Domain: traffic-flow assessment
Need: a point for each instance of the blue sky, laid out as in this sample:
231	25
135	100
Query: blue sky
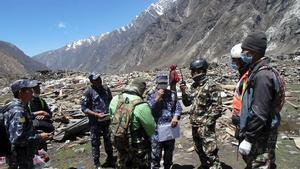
36	26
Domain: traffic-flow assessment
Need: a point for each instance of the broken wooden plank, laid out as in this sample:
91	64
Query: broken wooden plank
228	87
297	142
292	104
228	102
230	131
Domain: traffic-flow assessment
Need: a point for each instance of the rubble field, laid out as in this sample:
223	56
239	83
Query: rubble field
70	146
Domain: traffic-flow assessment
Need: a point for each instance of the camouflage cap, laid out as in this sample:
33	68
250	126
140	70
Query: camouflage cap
162	80
20	84
137	85
94	76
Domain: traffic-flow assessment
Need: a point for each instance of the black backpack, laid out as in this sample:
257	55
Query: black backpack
5	145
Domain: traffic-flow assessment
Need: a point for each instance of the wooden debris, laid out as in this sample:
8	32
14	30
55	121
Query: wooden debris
297	142
230	131
292	104
228	87
228	102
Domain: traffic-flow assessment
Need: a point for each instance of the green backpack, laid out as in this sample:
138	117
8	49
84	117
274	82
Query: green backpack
121	122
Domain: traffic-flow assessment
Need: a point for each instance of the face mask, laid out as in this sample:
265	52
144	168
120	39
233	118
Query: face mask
200	77
234	66
247	59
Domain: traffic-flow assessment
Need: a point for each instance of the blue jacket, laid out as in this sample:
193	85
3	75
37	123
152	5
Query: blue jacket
18	122
164	110
96	100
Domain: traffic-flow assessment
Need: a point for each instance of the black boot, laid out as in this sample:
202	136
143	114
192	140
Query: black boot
109	162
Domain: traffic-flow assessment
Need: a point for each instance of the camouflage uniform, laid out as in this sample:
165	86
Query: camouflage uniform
163	113
137	157
262	154
23	137
206	109
98	100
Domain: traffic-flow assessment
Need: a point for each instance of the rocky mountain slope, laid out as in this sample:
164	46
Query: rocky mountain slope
13	61
176	31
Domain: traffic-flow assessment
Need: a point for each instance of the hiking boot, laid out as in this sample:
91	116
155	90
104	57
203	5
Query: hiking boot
109	162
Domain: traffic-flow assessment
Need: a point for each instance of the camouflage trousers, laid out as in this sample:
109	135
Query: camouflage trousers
102	129
21	158
206	147
137	157
262	154
156	153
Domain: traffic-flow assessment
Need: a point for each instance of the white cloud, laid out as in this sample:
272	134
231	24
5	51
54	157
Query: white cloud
61	25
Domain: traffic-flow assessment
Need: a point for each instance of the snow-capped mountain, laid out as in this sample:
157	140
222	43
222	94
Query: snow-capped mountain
80	55
138	24
174	31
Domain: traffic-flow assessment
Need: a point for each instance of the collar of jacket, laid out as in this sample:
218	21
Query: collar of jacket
263	61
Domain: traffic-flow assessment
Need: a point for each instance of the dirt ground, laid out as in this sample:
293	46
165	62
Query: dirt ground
287	155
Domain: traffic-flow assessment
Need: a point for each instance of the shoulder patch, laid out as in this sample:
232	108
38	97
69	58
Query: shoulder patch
22	119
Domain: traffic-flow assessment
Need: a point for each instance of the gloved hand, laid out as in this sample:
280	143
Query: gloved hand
245	147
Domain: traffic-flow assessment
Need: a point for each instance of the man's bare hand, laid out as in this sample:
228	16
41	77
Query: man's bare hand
45	136
159	94
41	113
174	122
102	115
183	87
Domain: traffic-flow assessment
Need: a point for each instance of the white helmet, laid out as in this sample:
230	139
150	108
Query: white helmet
236	51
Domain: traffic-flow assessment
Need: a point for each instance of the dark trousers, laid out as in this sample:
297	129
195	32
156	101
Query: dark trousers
98	130
45	126
156	153
21	158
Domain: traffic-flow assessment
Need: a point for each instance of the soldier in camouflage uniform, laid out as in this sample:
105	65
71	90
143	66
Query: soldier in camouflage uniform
206	108
18	122
95	104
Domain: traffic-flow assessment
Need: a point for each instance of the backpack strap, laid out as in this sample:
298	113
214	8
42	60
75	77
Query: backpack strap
279	86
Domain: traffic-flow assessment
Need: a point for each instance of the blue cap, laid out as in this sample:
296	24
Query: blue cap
20	84
94	76
162	80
